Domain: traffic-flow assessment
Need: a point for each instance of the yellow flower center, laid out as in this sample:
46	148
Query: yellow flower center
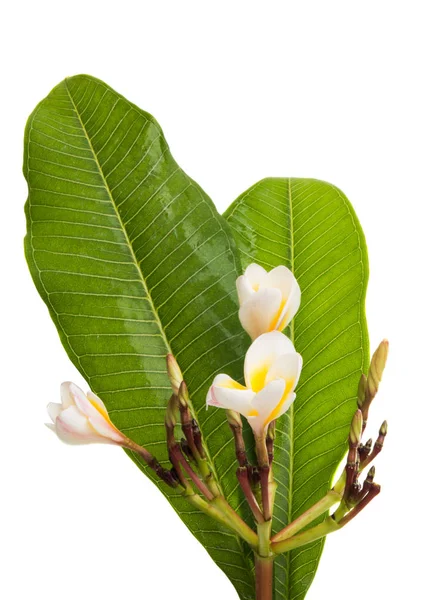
258	377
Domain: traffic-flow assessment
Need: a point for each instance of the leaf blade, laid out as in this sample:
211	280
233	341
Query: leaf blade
310	227
133	262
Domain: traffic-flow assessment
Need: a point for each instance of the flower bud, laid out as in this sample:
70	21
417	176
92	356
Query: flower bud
82	418
271	432
183	395
268	300
361	394
364	450
371	475
355	429
174	373
383	429
377	366
234	418
172	411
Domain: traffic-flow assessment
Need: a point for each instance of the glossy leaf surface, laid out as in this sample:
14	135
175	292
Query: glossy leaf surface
133	262
310	227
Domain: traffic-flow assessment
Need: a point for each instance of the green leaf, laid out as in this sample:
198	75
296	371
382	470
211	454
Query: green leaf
310	227
133	262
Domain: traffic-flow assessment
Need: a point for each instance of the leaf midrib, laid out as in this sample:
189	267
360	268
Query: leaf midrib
291	420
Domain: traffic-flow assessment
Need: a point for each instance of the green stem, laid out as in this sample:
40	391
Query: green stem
264	578
215	513
235	521
308	516
264	531
207	476
311	535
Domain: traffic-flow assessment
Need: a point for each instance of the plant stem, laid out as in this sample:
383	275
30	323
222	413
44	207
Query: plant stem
264	471
244	482
202	487
237	526
308	516
264	577
236	523
315	533
264	531
264	562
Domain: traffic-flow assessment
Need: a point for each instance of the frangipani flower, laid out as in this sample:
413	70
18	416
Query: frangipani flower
268	300
271	371
82	418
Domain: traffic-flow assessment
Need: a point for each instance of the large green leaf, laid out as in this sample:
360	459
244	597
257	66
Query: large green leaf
310	227
133	262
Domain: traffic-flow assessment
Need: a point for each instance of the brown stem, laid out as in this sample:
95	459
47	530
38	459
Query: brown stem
186	424
264	471
264	578
240	451
178	457
165	475
244	482
265	495
374	491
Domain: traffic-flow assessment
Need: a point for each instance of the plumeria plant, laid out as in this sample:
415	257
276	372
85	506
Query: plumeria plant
271	372
228	355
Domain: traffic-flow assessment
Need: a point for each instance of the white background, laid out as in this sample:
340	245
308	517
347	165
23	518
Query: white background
243	90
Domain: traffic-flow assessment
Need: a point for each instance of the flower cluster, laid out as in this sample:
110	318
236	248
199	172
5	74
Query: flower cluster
268	302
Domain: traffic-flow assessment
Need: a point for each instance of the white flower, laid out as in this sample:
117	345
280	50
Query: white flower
271	371
82	418
268	300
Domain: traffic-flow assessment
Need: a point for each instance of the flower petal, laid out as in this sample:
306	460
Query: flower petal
261	355
284	406
97	414
74	428
287	367
260	310
244	288
54	410
264	405
291	307
257	275
283	279
227	393
65	393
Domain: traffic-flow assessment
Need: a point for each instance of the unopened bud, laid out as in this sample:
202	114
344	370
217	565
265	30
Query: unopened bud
171	416
234	418
174	373
171	478
355	429
368	483
364	450
383	429
183	395
361	394
376	368
271	432
371	475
